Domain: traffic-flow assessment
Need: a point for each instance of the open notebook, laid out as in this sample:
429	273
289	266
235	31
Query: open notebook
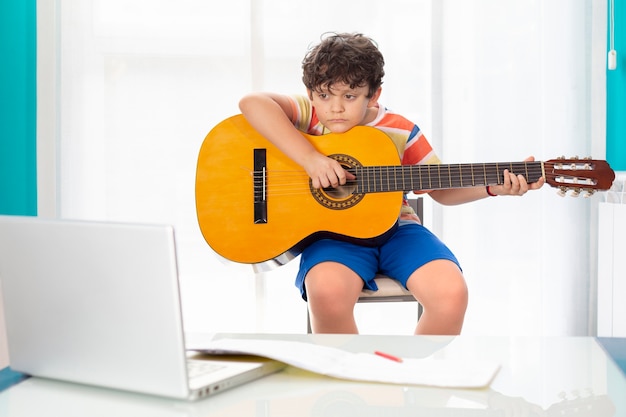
98	303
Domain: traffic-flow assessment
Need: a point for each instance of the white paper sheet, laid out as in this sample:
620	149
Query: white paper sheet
342	364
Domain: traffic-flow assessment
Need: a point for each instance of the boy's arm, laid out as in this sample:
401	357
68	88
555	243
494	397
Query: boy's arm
270	115
512	185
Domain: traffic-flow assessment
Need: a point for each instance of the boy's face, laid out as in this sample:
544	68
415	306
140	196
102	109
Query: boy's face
340	108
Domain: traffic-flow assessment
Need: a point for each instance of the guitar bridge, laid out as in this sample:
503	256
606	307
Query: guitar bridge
259	182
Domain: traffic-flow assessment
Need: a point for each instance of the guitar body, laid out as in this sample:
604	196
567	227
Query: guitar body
229	192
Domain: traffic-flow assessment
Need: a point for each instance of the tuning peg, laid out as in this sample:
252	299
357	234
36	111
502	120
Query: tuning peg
562	191
575	192
589	193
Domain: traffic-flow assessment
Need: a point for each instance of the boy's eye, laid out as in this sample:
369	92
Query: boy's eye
323	95
350	96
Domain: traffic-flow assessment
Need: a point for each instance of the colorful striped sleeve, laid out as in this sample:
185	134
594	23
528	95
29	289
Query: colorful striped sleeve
412	145
304	117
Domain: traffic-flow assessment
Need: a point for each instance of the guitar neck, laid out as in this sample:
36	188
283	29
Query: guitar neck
374	179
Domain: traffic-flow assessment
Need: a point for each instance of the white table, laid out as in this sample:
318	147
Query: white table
539	377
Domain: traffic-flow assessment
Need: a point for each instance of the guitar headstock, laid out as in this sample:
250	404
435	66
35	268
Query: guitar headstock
577	175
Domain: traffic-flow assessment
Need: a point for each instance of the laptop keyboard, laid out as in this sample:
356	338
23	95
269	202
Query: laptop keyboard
197	368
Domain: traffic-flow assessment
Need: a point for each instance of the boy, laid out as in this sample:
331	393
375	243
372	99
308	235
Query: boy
343	77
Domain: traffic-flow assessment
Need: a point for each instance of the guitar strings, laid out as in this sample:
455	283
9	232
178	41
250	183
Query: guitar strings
289	176
289	182
303	188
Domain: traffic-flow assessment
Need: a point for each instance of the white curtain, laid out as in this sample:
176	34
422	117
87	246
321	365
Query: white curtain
516	80
139	83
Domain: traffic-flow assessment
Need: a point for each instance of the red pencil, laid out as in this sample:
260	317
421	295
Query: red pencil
388	356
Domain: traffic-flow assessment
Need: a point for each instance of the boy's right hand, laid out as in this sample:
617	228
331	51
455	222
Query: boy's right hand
325	172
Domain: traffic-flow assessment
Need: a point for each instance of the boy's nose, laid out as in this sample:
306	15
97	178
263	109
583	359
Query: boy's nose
336	106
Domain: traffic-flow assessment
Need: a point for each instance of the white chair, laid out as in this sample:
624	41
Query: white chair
389	290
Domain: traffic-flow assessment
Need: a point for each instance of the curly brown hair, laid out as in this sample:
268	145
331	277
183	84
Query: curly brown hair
349	58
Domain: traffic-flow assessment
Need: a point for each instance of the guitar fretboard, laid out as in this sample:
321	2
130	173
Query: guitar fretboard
374	179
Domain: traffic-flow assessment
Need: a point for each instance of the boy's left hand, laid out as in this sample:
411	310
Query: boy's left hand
516	184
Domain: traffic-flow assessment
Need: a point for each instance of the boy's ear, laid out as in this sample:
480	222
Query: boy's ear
374	99
309	93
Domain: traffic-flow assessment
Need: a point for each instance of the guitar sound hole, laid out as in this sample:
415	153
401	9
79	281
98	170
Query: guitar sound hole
340	198
343	196
340	192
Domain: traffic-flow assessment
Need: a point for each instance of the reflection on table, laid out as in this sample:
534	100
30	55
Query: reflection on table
539	377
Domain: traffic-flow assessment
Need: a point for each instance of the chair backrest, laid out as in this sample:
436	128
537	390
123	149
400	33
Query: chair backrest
418	207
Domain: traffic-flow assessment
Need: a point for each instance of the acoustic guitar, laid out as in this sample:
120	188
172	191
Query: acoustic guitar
254	204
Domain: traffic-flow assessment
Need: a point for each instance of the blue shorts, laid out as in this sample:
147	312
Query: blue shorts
409	247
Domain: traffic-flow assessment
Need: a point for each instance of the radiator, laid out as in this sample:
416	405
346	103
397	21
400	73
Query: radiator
612	262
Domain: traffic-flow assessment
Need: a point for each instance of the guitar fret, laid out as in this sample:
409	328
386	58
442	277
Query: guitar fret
493	177
388	178
485	174
384	179
431	172
395	178
486	180
376	176
364	180
421	182
388	185
429	169
526	171
466	177
456	177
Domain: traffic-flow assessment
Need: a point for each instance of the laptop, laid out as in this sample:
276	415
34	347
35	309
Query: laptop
98	303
